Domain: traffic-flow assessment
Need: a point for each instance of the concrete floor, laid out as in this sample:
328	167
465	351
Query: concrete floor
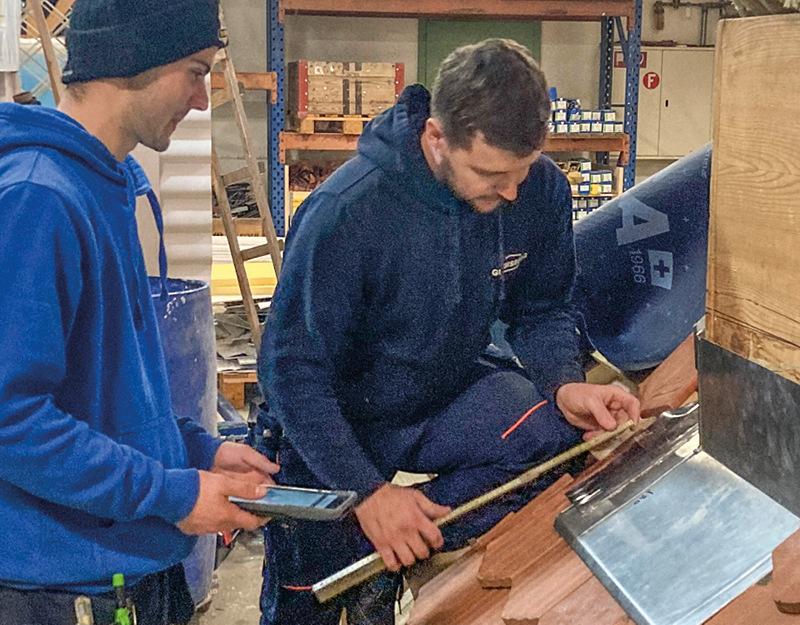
237	585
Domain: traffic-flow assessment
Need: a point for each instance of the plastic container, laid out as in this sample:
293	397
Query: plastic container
186	323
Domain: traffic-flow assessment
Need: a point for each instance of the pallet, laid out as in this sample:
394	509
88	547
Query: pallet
331	124
231	385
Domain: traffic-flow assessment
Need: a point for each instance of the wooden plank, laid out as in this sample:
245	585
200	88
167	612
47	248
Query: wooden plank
231	385
218	98
507	556
768	351
568	10
512	521
753	607
786	575
754	224
455	597
341	88
353	126
588	142
330	124
504	561
256	81
241	175
245	227
504	525
672	382
296	141
361	71
543	585
257	251
554	143
589	604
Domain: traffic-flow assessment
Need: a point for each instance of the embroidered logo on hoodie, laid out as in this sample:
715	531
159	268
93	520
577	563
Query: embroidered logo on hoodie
510	264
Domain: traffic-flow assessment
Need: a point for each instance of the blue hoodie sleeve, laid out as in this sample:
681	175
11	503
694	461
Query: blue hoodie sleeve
201	445
543	330
44	450
312	315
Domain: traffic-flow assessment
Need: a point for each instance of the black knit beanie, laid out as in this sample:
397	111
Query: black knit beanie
123	38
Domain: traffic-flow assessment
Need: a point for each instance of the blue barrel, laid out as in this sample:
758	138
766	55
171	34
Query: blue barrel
186	322
642	265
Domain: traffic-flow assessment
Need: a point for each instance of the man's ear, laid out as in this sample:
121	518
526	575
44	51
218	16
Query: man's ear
436	139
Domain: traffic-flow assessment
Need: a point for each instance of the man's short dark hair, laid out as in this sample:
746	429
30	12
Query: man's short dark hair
494	87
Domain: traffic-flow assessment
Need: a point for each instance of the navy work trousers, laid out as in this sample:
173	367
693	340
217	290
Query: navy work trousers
472	446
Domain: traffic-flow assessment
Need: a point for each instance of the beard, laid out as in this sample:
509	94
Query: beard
446	175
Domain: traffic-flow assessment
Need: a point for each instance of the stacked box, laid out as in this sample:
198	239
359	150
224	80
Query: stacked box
330	88
583	206
568	117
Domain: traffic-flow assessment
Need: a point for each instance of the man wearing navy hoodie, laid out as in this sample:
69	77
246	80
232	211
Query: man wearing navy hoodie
98	476
374	352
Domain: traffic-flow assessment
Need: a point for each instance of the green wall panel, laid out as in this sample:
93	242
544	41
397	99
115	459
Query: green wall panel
437	38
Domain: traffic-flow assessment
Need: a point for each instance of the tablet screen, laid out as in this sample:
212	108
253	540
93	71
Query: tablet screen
306	499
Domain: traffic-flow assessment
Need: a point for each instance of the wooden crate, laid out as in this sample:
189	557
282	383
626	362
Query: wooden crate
753	299
231	385
329	88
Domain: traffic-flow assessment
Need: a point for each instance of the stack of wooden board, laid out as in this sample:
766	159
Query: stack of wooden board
522	572
519	573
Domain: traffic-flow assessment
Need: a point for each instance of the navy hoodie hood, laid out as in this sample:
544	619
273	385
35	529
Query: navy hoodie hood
392	141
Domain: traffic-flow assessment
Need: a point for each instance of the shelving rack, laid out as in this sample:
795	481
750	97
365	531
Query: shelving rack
610	14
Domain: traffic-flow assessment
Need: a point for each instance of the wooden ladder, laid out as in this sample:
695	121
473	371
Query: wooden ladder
44	30
252	175
33	19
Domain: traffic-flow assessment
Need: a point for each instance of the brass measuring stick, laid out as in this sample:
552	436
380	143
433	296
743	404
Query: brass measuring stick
360	571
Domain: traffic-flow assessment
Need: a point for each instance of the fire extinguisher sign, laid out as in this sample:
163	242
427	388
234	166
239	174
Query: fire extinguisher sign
651	80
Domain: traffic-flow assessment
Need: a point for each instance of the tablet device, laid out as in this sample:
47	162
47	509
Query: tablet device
300	503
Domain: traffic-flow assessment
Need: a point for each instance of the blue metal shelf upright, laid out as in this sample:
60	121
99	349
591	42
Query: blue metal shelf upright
276	114
608	12
631	44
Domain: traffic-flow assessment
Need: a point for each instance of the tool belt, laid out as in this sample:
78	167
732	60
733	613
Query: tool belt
151	595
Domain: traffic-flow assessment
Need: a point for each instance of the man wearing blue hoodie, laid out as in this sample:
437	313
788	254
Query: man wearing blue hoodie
374	352
98	476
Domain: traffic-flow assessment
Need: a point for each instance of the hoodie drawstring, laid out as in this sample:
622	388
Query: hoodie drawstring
455	256
162	251
502	248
